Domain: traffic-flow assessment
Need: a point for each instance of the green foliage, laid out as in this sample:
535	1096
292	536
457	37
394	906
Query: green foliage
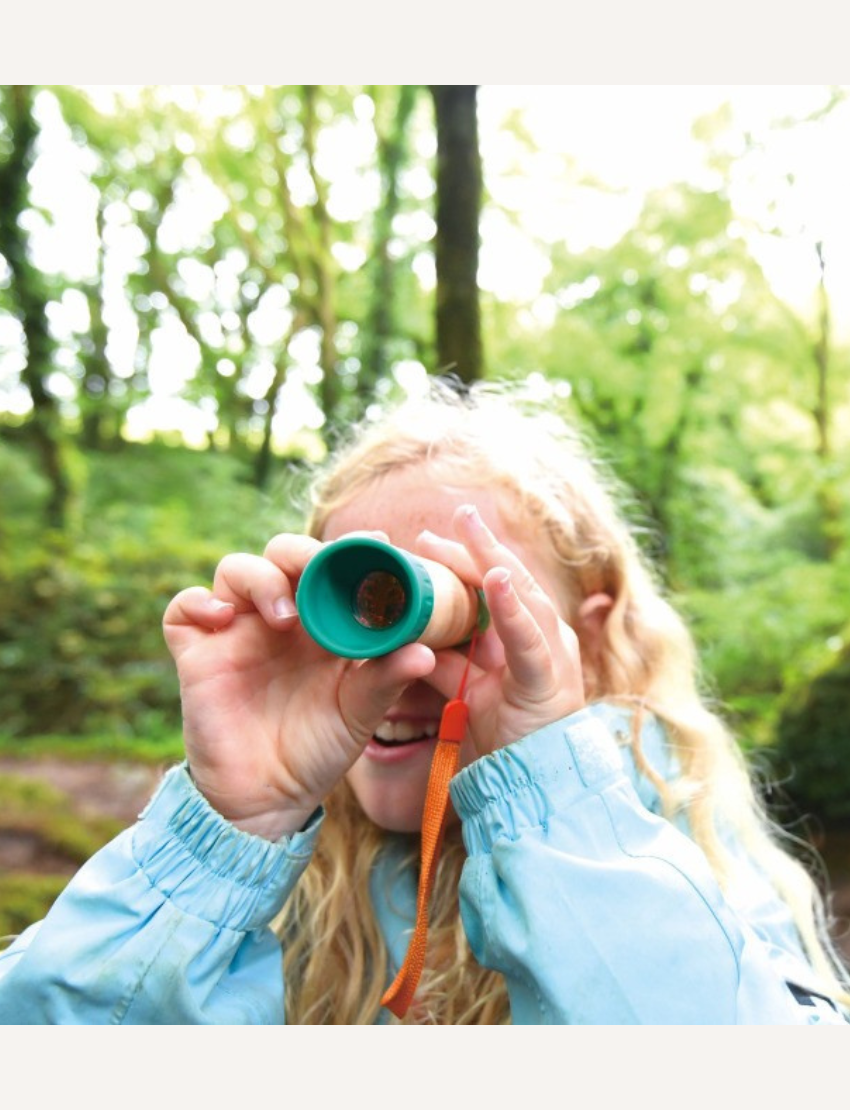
30	806
669	340
812	750
158	748
26	898
80	622
766	634
245	245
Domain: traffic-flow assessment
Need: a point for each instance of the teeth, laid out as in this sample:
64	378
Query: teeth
403	731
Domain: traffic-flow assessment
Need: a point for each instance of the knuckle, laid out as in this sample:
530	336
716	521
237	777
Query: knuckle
290	550
275	544
528	583
183	598
536	642
229	564
183	605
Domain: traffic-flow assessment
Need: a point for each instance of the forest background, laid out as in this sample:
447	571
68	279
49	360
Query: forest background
201	286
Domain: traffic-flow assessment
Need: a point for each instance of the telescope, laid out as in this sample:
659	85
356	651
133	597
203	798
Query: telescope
360	597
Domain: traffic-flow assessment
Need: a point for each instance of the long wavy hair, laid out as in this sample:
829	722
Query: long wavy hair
551	487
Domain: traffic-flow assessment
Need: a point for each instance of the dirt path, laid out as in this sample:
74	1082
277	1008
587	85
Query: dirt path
118	791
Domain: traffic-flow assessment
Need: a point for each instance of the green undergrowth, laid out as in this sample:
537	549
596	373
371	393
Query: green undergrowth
167	748
82	652
25	898
42	810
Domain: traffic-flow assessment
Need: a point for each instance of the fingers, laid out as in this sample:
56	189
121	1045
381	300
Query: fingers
265	583
372	534
243	583
528	653
452	668
451	554
252	582
525	651
196	606
246	583
291	553
192	613
486	552
539	647
480	552
371	688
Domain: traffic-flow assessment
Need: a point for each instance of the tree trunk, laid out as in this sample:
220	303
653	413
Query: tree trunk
392	157
99	422
263	458
29	299
324	270
828	499
459	185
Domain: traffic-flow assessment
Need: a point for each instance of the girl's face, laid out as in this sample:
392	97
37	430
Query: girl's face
389	780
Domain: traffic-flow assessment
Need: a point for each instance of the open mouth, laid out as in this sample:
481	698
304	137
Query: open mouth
393	734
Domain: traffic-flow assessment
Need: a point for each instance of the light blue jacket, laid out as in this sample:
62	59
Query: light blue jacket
596	909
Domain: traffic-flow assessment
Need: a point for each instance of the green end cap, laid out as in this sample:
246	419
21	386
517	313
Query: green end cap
360	597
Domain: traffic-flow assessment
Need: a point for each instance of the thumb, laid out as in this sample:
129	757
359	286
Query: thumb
368	691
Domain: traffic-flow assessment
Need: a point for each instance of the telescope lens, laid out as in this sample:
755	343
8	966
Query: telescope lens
379	600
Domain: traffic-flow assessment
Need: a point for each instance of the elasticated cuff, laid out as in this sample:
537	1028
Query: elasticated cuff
207	866
521	785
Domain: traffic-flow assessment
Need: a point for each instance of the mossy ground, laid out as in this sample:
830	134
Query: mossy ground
48	832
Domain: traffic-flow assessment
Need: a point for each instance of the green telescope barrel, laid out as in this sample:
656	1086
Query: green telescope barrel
360	597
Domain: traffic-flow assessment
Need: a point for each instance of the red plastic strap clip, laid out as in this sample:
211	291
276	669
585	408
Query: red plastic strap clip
453	721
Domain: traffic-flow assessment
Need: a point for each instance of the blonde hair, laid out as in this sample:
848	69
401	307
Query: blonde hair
491	436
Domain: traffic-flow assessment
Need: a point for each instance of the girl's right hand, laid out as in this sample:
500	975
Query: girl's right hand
271	720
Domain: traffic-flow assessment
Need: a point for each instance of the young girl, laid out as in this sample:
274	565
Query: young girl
604	859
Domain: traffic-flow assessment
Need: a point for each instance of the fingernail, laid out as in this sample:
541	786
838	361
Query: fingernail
471	515
503	579
217	605
284	607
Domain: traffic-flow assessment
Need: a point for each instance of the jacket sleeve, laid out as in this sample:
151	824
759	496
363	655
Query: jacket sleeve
166	925
599	911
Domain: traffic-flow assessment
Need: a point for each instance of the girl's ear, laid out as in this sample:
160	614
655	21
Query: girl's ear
590	627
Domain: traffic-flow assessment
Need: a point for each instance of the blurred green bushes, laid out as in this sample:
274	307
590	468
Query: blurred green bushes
812	750
765	638
26	898
81	648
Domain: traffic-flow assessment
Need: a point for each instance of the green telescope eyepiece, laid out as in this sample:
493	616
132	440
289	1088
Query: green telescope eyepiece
359	597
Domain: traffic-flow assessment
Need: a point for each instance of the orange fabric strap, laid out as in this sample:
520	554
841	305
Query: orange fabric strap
399	995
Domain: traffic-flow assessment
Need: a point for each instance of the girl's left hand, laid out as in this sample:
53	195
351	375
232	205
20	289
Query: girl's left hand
526	671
